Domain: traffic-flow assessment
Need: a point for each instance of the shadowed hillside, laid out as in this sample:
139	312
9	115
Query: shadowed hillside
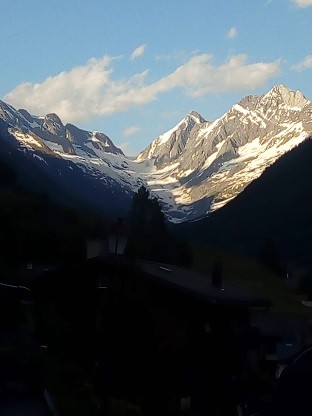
63	181
35	228
276	207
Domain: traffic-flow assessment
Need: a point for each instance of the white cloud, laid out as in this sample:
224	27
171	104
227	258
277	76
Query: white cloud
73	95
90	90
232	33
305	64
137	52
130	131
303	3
198	76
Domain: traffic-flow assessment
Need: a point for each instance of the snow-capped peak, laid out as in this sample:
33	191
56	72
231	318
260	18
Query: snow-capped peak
168	145
196	117
284	96
195	167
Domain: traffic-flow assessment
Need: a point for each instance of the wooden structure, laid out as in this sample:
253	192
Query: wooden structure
160	334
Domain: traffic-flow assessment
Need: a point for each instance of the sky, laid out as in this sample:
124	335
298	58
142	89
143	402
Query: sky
132	69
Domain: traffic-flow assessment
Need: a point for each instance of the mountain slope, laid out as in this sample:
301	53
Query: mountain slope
277	206
39	169
221	158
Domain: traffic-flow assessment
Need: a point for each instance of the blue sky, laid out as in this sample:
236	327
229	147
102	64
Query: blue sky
133	68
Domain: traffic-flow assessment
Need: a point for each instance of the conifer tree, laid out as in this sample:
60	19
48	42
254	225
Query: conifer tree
148	229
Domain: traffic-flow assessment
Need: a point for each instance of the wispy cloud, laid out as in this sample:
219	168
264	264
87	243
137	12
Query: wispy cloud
137	52
232	33
130	131
303	3
90	90
305	64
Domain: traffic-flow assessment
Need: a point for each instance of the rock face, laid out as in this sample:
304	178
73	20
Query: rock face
170	145
91	141
194	168
221	158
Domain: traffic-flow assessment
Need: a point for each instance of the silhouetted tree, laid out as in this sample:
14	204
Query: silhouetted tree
150	237
148	231
139	213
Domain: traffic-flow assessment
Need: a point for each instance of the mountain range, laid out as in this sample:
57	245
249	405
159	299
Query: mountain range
194	169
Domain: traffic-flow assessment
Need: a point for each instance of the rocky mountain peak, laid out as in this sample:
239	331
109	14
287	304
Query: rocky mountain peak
92	142
8	113
282	95
26	115
103	142
196	117
53	124
249	102
168	146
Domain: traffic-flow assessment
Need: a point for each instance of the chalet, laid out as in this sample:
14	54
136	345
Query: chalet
169	337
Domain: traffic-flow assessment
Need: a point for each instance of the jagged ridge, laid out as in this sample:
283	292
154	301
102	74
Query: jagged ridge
194	168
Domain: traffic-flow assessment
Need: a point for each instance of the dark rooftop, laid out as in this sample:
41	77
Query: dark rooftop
199	285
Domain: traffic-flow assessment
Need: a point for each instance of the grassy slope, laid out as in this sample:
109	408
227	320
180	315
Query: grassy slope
248	274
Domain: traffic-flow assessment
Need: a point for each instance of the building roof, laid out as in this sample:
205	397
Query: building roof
199	285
